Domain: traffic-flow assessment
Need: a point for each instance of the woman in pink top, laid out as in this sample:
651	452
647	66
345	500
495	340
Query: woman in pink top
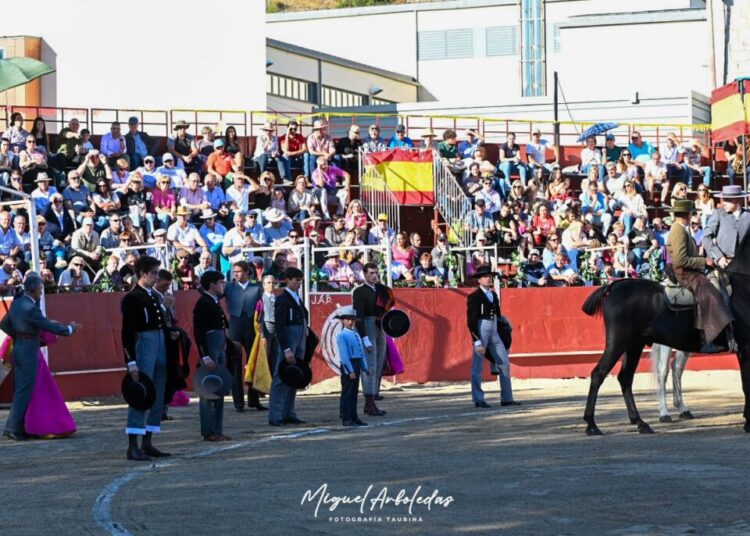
402	252
542	224
355	215
164	201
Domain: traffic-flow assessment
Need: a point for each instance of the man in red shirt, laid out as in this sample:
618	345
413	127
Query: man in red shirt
293	148
220	162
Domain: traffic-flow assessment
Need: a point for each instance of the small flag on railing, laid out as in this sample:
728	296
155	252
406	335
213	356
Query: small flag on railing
729	118
408	174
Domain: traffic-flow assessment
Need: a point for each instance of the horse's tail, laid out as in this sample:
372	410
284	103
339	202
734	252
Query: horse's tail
594	303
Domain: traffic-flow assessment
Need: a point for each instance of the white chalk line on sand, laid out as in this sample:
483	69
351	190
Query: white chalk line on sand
102	509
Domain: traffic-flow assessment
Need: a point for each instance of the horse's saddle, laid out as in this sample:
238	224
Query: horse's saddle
680	297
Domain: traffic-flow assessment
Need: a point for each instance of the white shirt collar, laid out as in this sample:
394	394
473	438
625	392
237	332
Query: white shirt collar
294	294
244	285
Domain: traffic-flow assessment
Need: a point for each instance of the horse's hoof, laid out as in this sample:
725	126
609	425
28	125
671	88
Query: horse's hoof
593	431
665	418
686	415
644	428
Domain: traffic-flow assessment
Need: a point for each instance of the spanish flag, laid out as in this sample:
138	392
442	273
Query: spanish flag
408	174
728	117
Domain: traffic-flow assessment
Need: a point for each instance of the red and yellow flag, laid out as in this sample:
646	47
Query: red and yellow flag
408	174
728	117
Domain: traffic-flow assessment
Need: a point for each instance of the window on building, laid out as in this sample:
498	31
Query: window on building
557	43
533	63
339	98
379	102
289	88
445	44
502	41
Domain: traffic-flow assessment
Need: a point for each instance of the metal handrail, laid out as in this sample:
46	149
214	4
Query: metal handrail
451	200
384	250
376	196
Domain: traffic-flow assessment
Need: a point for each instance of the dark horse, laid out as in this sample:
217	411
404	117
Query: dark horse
636	314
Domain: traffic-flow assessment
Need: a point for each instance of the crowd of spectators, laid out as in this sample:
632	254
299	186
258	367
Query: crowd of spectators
199	204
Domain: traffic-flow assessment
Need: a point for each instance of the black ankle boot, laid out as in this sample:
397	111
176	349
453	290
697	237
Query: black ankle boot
149	449
134	453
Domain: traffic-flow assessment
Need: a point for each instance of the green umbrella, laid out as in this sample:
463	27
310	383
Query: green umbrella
19	71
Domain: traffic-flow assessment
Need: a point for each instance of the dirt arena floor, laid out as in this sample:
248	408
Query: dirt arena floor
525	470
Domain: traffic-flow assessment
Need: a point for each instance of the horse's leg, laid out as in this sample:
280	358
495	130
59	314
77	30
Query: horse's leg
678	367
610	356
625	377
744	358
660	357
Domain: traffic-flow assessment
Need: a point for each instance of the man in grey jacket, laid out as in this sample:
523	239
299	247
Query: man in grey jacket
726	226
23	323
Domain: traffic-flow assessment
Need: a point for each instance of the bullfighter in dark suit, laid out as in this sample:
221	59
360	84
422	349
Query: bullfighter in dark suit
23	323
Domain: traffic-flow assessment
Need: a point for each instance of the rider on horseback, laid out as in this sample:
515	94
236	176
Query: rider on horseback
689	268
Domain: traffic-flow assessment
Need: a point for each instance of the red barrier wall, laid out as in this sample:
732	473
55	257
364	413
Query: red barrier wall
552	338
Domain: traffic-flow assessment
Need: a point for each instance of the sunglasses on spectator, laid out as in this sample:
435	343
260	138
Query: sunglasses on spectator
314	235
77	265
625	154
57	201
552	239
293	236
30	141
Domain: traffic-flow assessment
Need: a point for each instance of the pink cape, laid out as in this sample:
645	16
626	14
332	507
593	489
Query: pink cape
394	364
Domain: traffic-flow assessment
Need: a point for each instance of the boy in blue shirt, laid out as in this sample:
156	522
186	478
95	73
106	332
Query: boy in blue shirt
352	357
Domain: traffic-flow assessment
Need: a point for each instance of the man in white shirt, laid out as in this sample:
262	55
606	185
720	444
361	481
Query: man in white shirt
671	154
656	173
536	153
491	198
238	195
43	192
591	156
183	235
177	176
381	234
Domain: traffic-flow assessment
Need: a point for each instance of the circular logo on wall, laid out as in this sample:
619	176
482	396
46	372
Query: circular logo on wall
328	346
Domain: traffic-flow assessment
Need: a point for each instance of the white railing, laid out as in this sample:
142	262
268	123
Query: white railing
377	198
451	201
300	251
385	261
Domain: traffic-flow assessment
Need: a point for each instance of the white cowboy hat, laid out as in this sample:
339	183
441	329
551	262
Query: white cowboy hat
273	215
207	214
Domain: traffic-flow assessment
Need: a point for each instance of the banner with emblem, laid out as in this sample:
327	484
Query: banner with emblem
408	174
730	110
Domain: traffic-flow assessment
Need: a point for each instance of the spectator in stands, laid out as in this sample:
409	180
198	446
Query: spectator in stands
558	190
277	267
69	143
671	153
640	149
278	227
93	169
448	150
278	200
110	274
136	232
113	145
255	231
643	244
347	149
492	201
238	194
312	223
133	200
400	140
221	163
16	133
506	229
731	151
215	197
160	249
402	253
534	272
374	142
481	256
428	140
23	237
340	276
164	201
479	157
552	248
415	241
85	243
629	168
122	251
692	164
471	143
330	184
212	232
440	252
518	192
148	172
206	143
106	203
293	149
120	176
110	237
594	208
301	202
542	224
335	233
562	273
177	176
680	191
611	152
472	183
47	243
267	150
355	217
319	144
614	184
237	238
656	173
39	132
510	163
75	276
10	276
205	264
185	272
183	235
591	156
183	148
426	274
61	225
704	204
574	240
478	219
7	161
138	144
614	258
32	160
380	234
536	153
192	196
233	146
41	195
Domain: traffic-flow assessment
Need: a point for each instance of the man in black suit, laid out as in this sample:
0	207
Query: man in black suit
209	325
482	314
371	300
242	298
291	324
138	144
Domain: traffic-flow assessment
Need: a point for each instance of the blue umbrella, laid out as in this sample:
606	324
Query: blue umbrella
595	130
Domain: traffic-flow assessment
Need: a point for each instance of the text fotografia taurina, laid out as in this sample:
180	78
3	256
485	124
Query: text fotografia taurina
377	500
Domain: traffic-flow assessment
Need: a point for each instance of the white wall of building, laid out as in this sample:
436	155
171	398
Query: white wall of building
146	54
